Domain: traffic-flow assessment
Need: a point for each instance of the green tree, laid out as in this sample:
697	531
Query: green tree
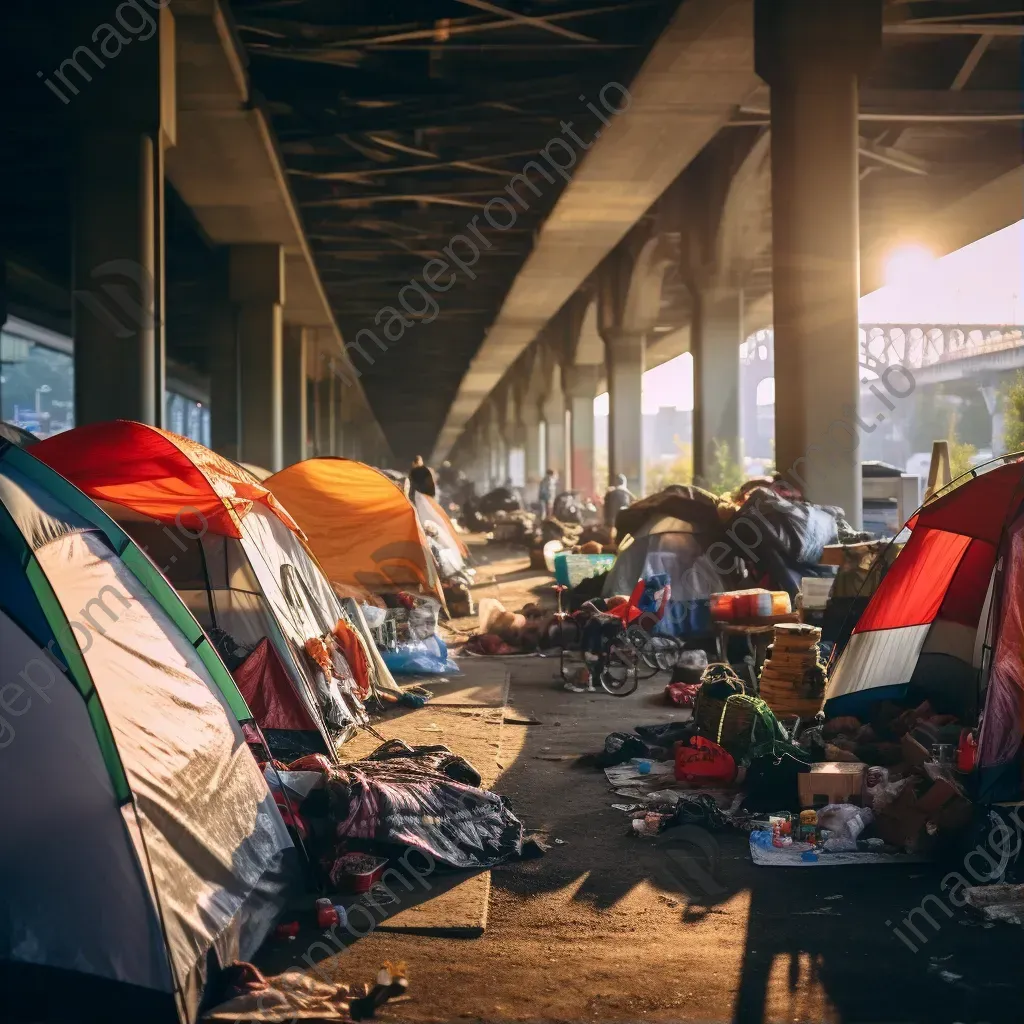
961	458
679	470
1013	415
725	473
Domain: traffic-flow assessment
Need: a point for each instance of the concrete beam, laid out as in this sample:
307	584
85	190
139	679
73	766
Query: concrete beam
695	76
227	168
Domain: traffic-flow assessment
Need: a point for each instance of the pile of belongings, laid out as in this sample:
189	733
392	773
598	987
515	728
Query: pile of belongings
574	507
791	536
416	648
396	800
503	504
245	994
886	738
503	632
775	537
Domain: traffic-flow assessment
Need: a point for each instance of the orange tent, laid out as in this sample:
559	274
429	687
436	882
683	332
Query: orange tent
363	530
171	478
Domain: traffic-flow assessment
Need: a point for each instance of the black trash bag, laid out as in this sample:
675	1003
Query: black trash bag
665	734
772	782
701	810
620	747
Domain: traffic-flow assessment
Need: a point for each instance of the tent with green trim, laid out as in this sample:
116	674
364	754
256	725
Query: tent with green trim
140	847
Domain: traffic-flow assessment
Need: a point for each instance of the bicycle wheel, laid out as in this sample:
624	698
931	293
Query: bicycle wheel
661	653
620	677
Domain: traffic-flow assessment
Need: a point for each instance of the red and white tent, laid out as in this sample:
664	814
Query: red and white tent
948	619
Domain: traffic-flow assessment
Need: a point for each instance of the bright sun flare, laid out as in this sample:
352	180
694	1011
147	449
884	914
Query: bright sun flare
908	265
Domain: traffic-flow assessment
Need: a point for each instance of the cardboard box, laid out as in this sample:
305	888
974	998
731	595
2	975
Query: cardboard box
831	782
916	821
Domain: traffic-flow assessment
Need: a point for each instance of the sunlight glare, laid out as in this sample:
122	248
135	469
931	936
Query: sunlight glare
909	266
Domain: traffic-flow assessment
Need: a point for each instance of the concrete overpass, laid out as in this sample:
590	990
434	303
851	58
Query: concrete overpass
378	231
148	216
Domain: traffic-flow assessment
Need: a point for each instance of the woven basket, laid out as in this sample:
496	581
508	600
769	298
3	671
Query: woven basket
729	721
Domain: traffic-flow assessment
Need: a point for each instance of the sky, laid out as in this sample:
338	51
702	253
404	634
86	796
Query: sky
981	283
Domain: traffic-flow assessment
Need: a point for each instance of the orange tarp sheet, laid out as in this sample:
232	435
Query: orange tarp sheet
171	478
363	530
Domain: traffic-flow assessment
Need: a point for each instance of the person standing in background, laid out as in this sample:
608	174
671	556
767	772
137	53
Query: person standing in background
421	478
617	498
547	492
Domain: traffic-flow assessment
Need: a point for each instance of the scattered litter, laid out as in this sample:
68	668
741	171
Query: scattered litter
947	976
992	903
833	897
558	842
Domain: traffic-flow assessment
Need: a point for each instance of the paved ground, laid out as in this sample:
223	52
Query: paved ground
607	927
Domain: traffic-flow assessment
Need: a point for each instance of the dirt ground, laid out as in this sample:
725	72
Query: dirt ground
608	927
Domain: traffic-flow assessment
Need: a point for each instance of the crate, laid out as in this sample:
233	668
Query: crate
350	879
572	570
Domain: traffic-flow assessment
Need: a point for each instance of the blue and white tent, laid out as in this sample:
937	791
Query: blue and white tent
140	845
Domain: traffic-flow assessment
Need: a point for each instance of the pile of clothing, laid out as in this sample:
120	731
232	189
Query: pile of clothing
396	800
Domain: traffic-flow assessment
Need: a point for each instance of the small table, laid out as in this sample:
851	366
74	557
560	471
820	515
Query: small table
758	634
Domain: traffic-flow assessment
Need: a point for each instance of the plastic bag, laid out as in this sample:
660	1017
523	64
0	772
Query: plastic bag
881	792
845	822
421	657
373	615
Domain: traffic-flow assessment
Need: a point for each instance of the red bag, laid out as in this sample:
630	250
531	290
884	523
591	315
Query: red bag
704	763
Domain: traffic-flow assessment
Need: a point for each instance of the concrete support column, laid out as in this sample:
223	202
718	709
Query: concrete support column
581	384
811	52
341	427
534	469
625	365
715	338
225	377
323	416
257	286
118	244
295	405
556	438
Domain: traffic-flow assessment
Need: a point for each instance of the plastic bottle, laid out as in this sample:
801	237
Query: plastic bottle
966	752
326	915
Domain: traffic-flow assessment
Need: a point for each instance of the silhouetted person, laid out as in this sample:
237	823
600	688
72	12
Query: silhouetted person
548	491
617	498
421	478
